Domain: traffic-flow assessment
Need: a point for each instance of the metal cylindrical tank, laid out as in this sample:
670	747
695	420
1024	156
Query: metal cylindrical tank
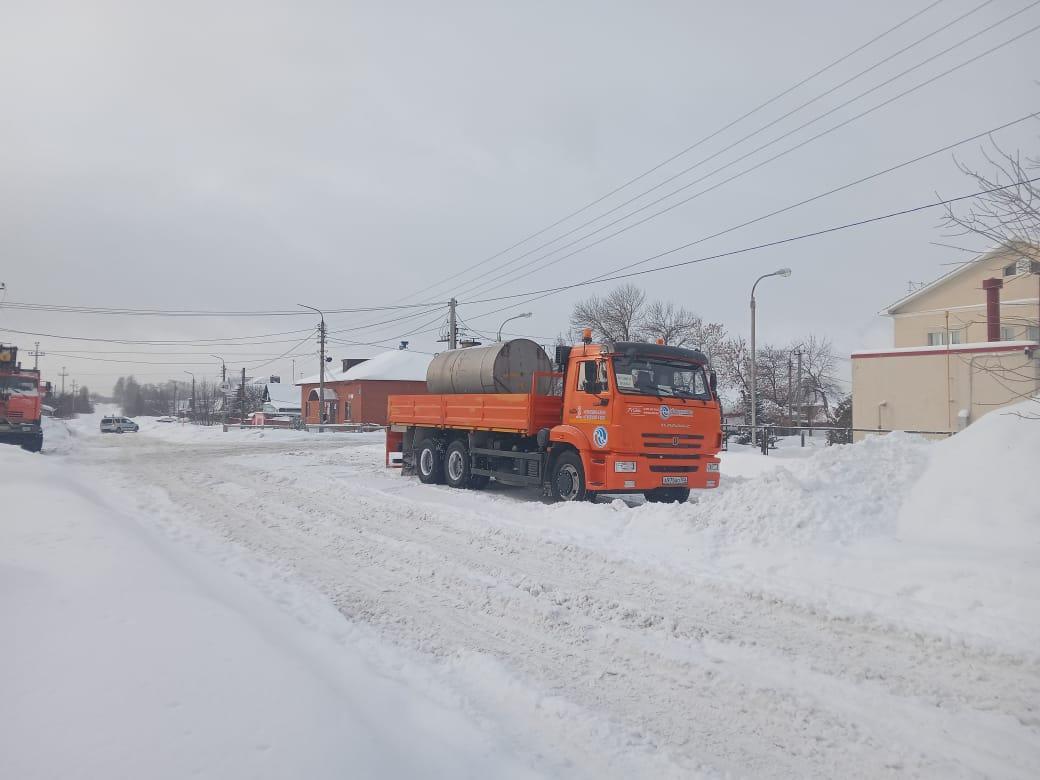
503	367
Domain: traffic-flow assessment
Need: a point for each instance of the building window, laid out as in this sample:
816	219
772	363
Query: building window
1019	332
1011	269
347	414
955	337
936	338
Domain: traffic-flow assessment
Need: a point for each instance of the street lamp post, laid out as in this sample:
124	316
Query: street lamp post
754	376
321	368
192	409
515	317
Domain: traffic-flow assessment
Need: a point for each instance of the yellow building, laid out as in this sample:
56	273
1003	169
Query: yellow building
964	345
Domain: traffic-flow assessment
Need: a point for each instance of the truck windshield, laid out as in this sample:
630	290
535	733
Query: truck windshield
17	385
654	376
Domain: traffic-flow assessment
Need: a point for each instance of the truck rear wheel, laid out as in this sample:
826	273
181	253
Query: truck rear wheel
428	463
457	465
667	495
567	482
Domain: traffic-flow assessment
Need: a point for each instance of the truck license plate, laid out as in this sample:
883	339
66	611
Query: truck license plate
674	480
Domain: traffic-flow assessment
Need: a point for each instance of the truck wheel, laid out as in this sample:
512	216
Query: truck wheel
567	482
667	495
428	463
456	465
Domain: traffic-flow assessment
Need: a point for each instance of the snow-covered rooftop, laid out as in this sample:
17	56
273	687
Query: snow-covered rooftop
396	364
283	396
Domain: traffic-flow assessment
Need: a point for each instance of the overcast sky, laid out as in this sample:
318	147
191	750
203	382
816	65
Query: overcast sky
256	155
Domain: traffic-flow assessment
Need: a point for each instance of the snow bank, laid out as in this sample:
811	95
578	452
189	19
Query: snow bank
980	487
839	494
128	656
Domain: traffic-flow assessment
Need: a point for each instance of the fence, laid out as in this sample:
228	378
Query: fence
768	434
334	427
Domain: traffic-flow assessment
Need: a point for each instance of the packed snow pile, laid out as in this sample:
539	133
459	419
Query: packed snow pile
838	494
980	487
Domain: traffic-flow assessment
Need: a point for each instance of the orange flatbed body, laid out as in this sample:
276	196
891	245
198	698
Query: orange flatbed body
522	413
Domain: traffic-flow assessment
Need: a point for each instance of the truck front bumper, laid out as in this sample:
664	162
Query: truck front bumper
638	473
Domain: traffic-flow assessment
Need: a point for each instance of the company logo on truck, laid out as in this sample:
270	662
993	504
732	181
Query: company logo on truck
599	436
665	412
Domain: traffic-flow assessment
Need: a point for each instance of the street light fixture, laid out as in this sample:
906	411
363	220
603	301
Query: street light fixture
785	272
525	315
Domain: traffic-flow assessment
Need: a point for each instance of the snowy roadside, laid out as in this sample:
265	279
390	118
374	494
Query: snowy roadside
129	656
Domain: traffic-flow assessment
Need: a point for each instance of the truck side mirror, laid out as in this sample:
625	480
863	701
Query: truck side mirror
713	382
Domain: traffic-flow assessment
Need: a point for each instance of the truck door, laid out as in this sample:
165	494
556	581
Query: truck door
587	404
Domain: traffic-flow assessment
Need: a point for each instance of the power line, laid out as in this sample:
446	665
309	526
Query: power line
484	286
750	135
756	247
231	341
76	309
689	148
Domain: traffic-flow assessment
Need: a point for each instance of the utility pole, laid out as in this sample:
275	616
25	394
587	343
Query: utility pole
790	395
801	411
453	325
191	407
63	374
36	356
242	400
73	396
321	367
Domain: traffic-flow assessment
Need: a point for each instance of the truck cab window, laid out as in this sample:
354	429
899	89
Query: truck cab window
665	378
592	376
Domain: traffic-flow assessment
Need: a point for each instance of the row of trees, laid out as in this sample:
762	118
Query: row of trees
174	397
69	405
785	393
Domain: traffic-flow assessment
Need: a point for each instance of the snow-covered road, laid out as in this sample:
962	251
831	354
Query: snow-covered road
615	641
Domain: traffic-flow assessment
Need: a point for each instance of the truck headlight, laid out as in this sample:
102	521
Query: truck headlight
624	466
713	467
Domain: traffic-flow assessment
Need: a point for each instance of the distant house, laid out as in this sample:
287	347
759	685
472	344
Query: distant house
281	400
963	345
359	393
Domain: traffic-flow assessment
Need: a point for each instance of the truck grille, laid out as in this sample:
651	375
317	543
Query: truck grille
15	415
663	450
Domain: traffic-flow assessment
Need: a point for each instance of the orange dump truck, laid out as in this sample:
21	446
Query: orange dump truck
21	402
622	417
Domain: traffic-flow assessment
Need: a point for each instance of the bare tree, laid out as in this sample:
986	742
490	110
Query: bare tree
618	317
733	364
819	373
1008	214
675	326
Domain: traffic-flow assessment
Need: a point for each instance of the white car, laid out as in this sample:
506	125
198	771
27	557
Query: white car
118	425
166	419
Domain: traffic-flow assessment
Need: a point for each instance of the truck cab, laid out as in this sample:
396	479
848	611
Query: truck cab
21	402
643	418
